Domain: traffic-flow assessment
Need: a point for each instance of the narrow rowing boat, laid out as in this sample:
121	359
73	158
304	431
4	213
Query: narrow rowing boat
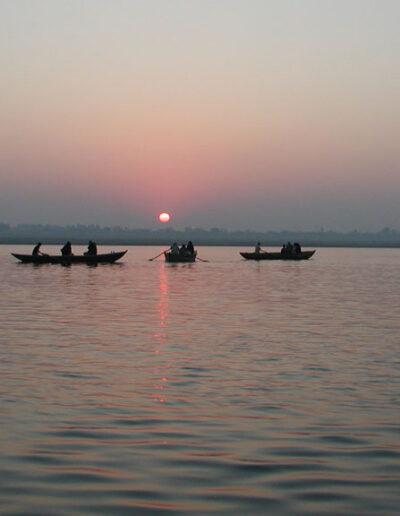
303	255
88	259
180	258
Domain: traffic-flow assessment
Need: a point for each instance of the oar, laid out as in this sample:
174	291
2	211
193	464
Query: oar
197	258
162	252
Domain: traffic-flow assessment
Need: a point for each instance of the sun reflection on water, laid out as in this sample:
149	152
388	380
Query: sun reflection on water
160	335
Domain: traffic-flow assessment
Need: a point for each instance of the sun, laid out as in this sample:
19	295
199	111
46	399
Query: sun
164	217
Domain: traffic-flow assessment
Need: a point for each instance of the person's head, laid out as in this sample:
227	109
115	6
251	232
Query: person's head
258	243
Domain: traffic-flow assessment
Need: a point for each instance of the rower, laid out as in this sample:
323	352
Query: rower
258	250
36	250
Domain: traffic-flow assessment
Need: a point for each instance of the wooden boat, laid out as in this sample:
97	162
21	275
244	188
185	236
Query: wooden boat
180	258
89	259
303	255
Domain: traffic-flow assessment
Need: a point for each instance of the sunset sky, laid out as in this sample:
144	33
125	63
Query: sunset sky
231	113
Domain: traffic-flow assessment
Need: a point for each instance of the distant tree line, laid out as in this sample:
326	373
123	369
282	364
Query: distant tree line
80	234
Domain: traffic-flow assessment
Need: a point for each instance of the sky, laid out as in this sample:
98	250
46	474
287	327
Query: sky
239	114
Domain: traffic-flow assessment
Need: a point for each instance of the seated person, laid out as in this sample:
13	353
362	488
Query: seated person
297	248
92	248
183	250
258	250
190	247
174	249
67	249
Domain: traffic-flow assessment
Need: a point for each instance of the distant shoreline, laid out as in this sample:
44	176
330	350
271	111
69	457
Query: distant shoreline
29	234
207	244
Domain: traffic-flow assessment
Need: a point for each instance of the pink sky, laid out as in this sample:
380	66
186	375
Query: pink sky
264	115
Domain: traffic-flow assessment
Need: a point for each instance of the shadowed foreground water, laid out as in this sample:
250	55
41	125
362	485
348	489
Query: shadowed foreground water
227	387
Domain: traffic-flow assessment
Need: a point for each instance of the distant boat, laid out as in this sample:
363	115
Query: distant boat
303	255
89	259
180	258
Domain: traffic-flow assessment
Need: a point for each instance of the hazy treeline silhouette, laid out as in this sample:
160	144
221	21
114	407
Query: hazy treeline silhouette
80	234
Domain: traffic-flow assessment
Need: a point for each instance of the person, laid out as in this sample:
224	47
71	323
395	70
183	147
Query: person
289	247
257	250
283	250
183	250
190	247
92	248
67	249
297	248
174	249
36	250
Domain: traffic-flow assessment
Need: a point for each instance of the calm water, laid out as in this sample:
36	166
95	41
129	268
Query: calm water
226	387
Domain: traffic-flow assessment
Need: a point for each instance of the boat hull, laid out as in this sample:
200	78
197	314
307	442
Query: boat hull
93	259
304	255
178	258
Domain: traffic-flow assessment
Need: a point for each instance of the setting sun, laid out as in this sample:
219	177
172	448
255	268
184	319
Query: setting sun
164	217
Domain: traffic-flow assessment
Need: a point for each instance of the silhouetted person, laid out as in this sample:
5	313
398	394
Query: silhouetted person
257	250
92	248
36	250
190	247
174	249
67	249
297	248
283	250
289	247
183	250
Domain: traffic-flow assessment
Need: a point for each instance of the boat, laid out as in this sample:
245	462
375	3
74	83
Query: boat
303	255
88	259
180	258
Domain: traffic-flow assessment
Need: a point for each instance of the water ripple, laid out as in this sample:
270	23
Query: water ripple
221	388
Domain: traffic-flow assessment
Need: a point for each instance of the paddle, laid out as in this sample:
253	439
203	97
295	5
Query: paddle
197	258
162	252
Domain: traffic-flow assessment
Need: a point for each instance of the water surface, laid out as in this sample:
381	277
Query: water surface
220	387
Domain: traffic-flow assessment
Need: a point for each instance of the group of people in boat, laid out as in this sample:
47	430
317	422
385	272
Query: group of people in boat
288	248
183	250
66	250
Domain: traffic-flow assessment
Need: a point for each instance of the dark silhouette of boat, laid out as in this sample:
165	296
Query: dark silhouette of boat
89	259
303	255
180	258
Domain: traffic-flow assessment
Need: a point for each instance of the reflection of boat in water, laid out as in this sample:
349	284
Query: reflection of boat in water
303	255
89	259
180	258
